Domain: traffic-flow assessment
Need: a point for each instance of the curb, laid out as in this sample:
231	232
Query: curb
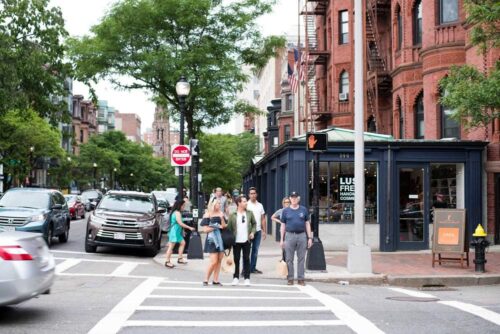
439	281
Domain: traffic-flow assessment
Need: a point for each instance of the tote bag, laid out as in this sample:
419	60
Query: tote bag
281	267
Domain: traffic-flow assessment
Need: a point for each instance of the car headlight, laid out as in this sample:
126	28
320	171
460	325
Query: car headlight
37	218
97	220
146	223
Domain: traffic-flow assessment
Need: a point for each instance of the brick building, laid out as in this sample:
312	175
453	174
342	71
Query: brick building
130	124
84	121
409	47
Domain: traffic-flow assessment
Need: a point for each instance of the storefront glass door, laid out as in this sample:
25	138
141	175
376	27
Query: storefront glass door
412	225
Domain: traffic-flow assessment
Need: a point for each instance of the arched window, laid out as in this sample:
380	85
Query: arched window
419	117
449	127
344	83
417	23
399	21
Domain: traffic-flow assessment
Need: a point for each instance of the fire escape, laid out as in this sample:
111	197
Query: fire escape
378	79
315	55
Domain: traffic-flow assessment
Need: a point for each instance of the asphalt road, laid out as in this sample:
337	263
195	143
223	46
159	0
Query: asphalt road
125	291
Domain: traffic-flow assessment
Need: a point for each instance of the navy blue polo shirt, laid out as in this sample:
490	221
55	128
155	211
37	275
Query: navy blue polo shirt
295	219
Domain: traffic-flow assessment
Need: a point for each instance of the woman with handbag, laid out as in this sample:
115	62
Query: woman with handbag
175	234
213	219
243	225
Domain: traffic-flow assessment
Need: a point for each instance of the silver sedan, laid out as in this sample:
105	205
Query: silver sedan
27	268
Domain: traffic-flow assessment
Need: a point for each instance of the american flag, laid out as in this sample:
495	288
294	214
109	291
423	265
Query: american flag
292	79
303	66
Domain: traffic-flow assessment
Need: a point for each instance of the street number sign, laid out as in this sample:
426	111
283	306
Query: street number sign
180	155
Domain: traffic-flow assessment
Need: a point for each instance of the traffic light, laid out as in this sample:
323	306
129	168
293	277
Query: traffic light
194	146
316	142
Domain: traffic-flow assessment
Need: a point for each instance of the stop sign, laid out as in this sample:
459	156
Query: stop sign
180	155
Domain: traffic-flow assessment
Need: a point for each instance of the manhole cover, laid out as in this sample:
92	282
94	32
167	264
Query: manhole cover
413	299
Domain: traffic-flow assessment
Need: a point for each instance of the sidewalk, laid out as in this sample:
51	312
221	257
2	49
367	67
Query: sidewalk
393	268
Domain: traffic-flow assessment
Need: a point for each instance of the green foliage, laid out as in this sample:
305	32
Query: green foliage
225	159
475	96
154	42
32	68
136	168
484	15
21	130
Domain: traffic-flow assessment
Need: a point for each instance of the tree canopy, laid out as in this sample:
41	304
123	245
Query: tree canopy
24	138
32	68
474	95
152	43
225	159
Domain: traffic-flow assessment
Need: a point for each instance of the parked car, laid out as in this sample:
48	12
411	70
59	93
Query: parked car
165	222
75	205
125	219
27	268
91	198
168	196
35	210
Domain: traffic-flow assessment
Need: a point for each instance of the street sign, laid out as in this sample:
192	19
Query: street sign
316	142
180	155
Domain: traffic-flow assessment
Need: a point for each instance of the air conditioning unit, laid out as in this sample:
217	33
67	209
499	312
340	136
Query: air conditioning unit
343	96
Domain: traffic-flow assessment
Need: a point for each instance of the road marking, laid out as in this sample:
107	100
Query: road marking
99	260
239	323
285	287
227	297
216	288
124	269
476	310
118	316
347	315
234	308
69	252
412	293
66	264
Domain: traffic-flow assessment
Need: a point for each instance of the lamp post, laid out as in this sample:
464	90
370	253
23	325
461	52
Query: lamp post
113	179
132	180
95	174
182	89
30	178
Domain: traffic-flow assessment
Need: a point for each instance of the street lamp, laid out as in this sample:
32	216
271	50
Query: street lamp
113	179
95	174
182	89
132	181
30	178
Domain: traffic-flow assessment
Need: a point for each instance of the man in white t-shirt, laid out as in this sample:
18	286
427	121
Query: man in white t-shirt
261	228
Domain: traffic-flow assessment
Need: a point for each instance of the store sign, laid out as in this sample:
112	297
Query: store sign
449	231
346	188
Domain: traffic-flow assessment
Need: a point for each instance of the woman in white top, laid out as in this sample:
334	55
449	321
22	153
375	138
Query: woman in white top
242	223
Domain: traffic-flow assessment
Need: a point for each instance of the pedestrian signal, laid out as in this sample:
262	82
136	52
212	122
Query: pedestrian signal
316	142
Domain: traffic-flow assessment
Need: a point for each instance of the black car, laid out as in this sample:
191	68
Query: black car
35	210
91	198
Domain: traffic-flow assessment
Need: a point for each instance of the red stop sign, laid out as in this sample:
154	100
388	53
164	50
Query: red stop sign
180	155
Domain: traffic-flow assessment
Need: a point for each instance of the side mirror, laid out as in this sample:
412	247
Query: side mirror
161	210
57	207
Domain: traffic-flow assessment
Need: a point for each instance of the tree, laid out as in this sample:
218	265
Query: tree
154	42
24	138
225	159
475	96
32	67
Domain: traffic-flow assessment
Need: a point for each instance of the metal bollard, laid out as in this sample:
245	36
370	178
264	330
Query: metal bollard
480	243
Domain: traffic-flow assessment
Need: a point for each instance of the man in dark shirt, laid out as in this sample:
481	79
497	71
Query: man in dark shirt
298	237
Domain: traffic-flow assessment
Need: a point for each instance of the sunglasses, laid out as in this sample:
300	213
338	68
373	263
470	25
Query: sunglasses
243	219
286	202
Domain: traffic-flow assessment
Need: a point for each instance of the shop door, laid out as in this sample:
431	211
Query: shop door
412	225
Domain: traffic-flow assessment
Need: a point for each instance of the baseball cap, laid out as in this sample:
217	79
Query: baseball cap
294	194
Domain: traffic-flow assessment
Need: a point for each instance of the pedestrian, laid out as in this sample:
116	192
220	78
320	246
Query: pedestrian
175	235
222	199
213	216
296	237
276	217
261	228
242	223
231	204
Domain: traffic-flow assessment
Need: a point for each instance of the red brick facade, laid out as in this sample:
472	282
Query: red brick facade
402	66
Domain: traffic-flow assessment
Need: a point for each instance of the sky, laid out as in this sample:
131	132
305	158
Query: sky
81	16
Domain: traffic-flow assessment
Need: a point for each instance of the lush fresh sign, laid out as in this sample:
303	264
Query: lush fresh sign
346	188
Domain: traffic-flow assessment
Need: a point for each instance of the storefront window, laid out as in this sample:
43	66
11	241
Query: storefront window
336	188
447	186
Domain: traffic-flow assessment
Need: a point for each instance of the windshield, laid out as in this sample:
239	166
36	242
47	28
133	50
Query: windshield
127	203
90	194
70	198
25	199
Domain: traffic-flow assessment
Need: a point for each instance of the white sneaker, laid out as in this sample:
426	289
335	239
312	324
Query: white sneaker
247	282
236	281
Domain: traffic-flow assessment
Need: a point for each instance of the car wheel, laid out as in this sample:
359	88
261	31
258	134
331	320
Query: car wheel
49	236
65	235
158	244
90	248
152	251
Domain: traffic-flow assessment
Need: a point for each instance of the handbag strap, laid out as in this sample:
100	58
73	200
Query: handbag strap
229	252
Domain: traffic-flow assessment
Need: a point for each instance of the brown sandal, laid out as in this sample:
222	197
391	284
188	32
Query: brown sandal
181	261
169	264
